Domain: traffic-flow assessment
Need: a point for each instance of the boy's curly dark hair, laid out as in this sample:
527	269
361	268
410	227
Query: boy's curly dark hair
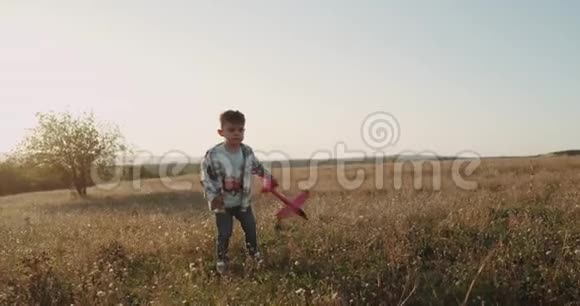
233	117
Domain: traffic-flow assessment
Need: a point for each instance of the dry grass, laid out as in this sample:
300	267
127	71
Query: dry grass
514	240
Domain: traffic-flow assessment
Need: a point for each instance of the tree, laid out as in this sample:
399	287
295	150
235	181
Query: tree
73	146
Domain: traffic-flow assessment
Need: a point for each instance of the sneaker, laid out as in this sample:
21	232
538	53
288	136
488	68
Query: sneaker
220	267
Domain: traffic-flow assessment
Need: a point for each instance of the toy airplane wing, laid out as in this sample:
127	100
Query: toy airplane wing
294	208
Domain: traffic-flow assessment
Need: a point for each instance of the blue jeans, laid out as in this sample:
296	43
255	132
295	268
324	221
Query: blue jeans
224	223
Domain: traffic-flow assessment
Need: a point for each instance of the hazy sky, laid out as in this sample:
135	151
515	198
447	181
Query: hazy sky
493	77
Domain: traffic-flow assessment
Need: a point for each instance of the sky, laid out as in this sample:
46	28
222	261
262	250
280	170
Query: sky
490	77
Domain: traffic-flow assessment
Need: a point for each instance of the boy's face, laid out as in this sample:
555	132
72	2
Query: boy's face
233	133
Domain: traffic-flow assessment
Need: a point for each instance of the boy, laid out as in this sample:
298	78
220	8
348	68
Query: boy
226	172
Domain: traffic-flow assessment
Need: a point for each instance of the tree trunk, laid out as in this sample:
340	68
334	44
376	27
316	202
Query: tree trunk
79	188
77	181
84	182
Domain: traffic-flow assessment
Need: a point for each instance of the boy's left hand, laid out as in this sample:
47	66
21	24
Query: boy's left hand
274	182
217	203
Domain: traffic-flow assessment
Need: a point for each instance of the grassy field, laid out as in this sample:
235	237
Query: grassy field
515	240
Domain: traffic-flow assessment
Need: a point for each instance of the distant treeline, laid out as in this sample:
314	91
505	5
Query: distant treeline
567	153
16	178
297	163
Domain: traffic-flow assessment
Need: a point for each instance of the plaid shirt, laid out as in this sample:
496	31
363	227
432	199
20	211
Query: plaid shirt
213	174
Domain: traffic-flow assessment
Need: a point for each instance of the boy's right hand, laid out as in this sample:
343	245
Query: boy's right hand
217	203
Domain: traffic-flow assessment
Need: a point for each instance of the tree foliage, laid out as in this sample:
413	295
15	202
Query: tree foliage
73	146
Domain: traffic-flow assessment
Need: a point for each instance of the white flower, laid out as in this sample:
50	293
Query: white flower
101	294
300	291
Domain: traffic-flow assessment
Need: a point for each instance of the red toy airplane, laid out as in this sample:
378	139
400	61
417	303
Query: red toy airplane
293	206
